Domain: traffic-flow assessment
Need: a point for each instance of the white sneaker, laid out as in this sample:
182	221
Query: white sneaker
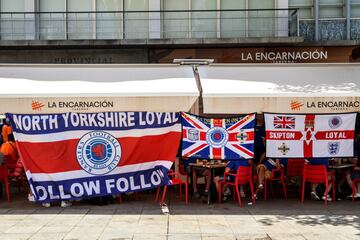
261	186
357	195
314	196
65	204
328	198
47	205
31	198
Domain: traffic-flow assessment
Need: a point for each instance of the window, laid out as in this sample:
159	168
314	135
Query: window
204	24
136	23
80	25
52	25
176	24
305	8
109	25
261	22
233	24
331	9
13	24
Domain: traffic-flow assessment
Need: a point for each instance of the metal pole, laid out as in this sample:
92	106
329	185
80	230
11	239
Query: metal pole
316	15
348	13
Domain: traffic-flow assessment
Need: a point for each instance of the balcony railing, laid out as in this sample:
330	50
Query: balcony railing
234	23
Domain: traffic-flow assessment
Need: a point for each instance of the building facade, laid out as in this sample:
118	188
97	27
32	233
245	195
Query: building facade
154	31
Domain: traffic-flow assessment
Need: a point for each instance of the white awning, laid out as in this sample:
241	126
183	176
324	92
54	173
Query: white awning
94	88
295	88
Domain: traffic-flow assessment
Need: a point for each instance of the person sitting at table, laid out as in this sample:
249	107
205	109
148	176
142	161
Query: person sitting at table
232	166
201	172
320	161
355	175
264	170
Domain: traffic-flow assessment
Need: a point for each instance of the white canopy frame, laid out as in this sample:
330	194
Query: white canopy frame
93	88
288	88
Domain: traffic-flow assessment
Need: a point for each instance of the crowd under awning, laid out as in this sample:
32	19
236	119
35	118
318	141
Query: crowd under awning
95	88
294	88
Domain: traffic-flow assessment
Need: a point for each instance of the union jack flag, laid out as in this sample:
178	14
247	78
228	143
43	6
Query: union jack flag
209	138
284	122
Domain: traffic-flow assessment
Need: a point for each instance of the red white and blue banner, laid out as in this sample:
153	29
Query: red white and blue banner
310	135
80	155
214	138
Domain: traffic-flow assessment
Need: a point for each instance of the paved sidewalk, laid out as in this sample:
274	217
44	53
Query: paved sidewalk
143	219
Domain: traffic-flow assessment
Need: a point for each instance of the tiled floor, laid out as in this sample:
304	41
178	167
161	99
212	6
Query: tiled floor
144	219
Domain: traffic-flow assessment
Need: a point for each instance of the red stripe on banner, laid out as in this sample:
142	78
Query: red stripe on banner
240	122
217	122
202	136
242	149
190	153
334	135
309	128
216	152
283	135
61	156
192	121
184	133
236	137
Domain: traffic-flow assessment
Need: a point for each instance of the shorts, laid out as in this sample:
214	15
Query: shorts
228	179
355	175
268	173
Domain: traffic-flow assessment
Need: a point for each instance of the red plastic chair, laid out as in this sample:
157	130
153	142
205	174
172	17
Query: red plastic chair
317	174
354	182
295	168
243	176
4	179
277	175
175	180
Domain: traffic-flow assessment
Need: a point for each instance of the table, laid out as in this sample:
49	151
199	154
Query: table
212	167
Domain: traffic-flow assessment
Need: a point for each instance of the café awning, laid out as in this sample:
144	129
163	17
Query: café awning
293	88
94	88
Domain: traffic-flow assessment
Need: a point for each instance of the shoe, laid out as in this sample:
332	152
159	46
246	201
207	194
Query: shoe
261	186
314	196
47	205
206	193
328	198
197	194
65	204
31	198
357	195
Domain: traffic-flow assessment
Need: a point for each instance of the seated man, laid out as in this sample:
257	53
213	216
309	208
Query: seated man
201	172
9	150
231	167
355	175
264	170
320	161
